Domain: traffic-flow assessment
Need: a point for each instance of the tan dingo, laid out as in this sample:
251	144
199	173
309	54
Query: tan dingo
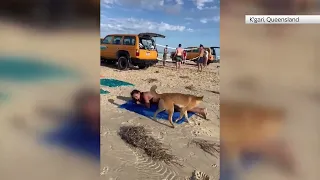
169	100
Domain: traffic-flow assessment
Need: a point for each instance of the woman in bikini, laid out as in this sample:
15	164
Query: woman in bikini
184	57
206	58
178	56
146	99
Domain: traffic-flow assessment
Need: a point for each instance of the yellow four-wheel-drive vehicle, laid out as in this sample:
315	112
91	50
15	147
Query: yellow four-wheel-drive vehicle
130	49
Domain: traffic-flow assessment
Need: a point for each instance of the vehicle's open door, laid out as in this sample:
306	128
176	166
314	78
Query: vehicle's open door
213	49
214	53
151	35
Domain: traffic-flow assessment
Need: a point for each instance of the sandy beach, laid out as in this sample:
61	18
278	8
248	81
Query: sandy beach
23	122
118	160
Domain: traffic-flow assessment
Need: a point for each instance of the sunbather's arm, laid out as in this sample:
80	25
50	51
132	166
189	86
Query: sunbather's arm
147	104
146	100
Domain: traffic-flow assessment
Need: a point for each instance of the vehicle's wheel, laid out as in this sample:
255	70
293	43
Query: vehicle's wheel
142	66
209	62
123	63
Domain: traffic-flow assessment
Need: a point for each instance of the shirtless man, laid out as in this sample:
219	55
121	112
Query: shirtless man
146	99
201	58
178	56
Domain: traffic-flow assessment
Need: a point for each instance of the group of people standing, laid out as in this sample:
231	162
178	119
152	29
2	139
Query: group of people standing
180	56
203	58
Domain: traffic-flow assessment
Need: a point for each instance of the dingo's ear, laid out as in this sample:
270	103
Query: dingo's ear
153	88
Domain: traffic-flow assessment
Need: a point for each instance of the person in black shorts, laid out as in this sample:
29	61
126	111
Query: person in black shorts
201	58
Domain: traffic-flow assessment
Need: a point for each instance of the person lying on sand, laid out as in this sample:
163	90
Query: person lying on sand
87	107
80	131
146	99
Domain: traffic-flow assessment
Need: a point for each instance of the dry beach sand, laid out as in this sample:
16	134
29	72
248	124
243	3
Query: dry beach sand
119	161
276	66
22	156
22	121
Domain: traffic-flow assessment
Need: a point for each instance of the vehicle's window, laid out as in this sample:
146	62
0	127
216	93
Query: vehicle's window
147	44
129	40
213	52
107	40
195	50
117	40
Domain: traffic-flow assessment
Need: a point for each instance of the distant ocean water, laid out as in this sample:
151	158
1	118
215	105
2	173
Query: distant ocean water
160	54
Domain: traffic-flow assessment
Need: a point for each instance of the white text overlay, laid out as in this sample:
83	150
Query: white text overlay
282	19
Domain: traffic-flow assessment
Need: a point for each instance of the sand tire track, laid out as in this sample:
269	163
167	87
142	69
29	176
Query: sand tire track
153	169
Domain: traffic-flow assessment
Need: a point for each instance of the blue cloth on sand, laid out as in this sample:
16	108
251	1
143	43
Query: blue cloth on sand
248	160
77	136
29	69
104	91
149	112
114	83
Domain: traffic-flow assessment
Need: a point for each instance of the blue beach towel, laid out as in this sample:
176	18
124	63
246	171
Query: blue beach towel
3	96
104	92
76	136
114	83
149	112
248	160
28	69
